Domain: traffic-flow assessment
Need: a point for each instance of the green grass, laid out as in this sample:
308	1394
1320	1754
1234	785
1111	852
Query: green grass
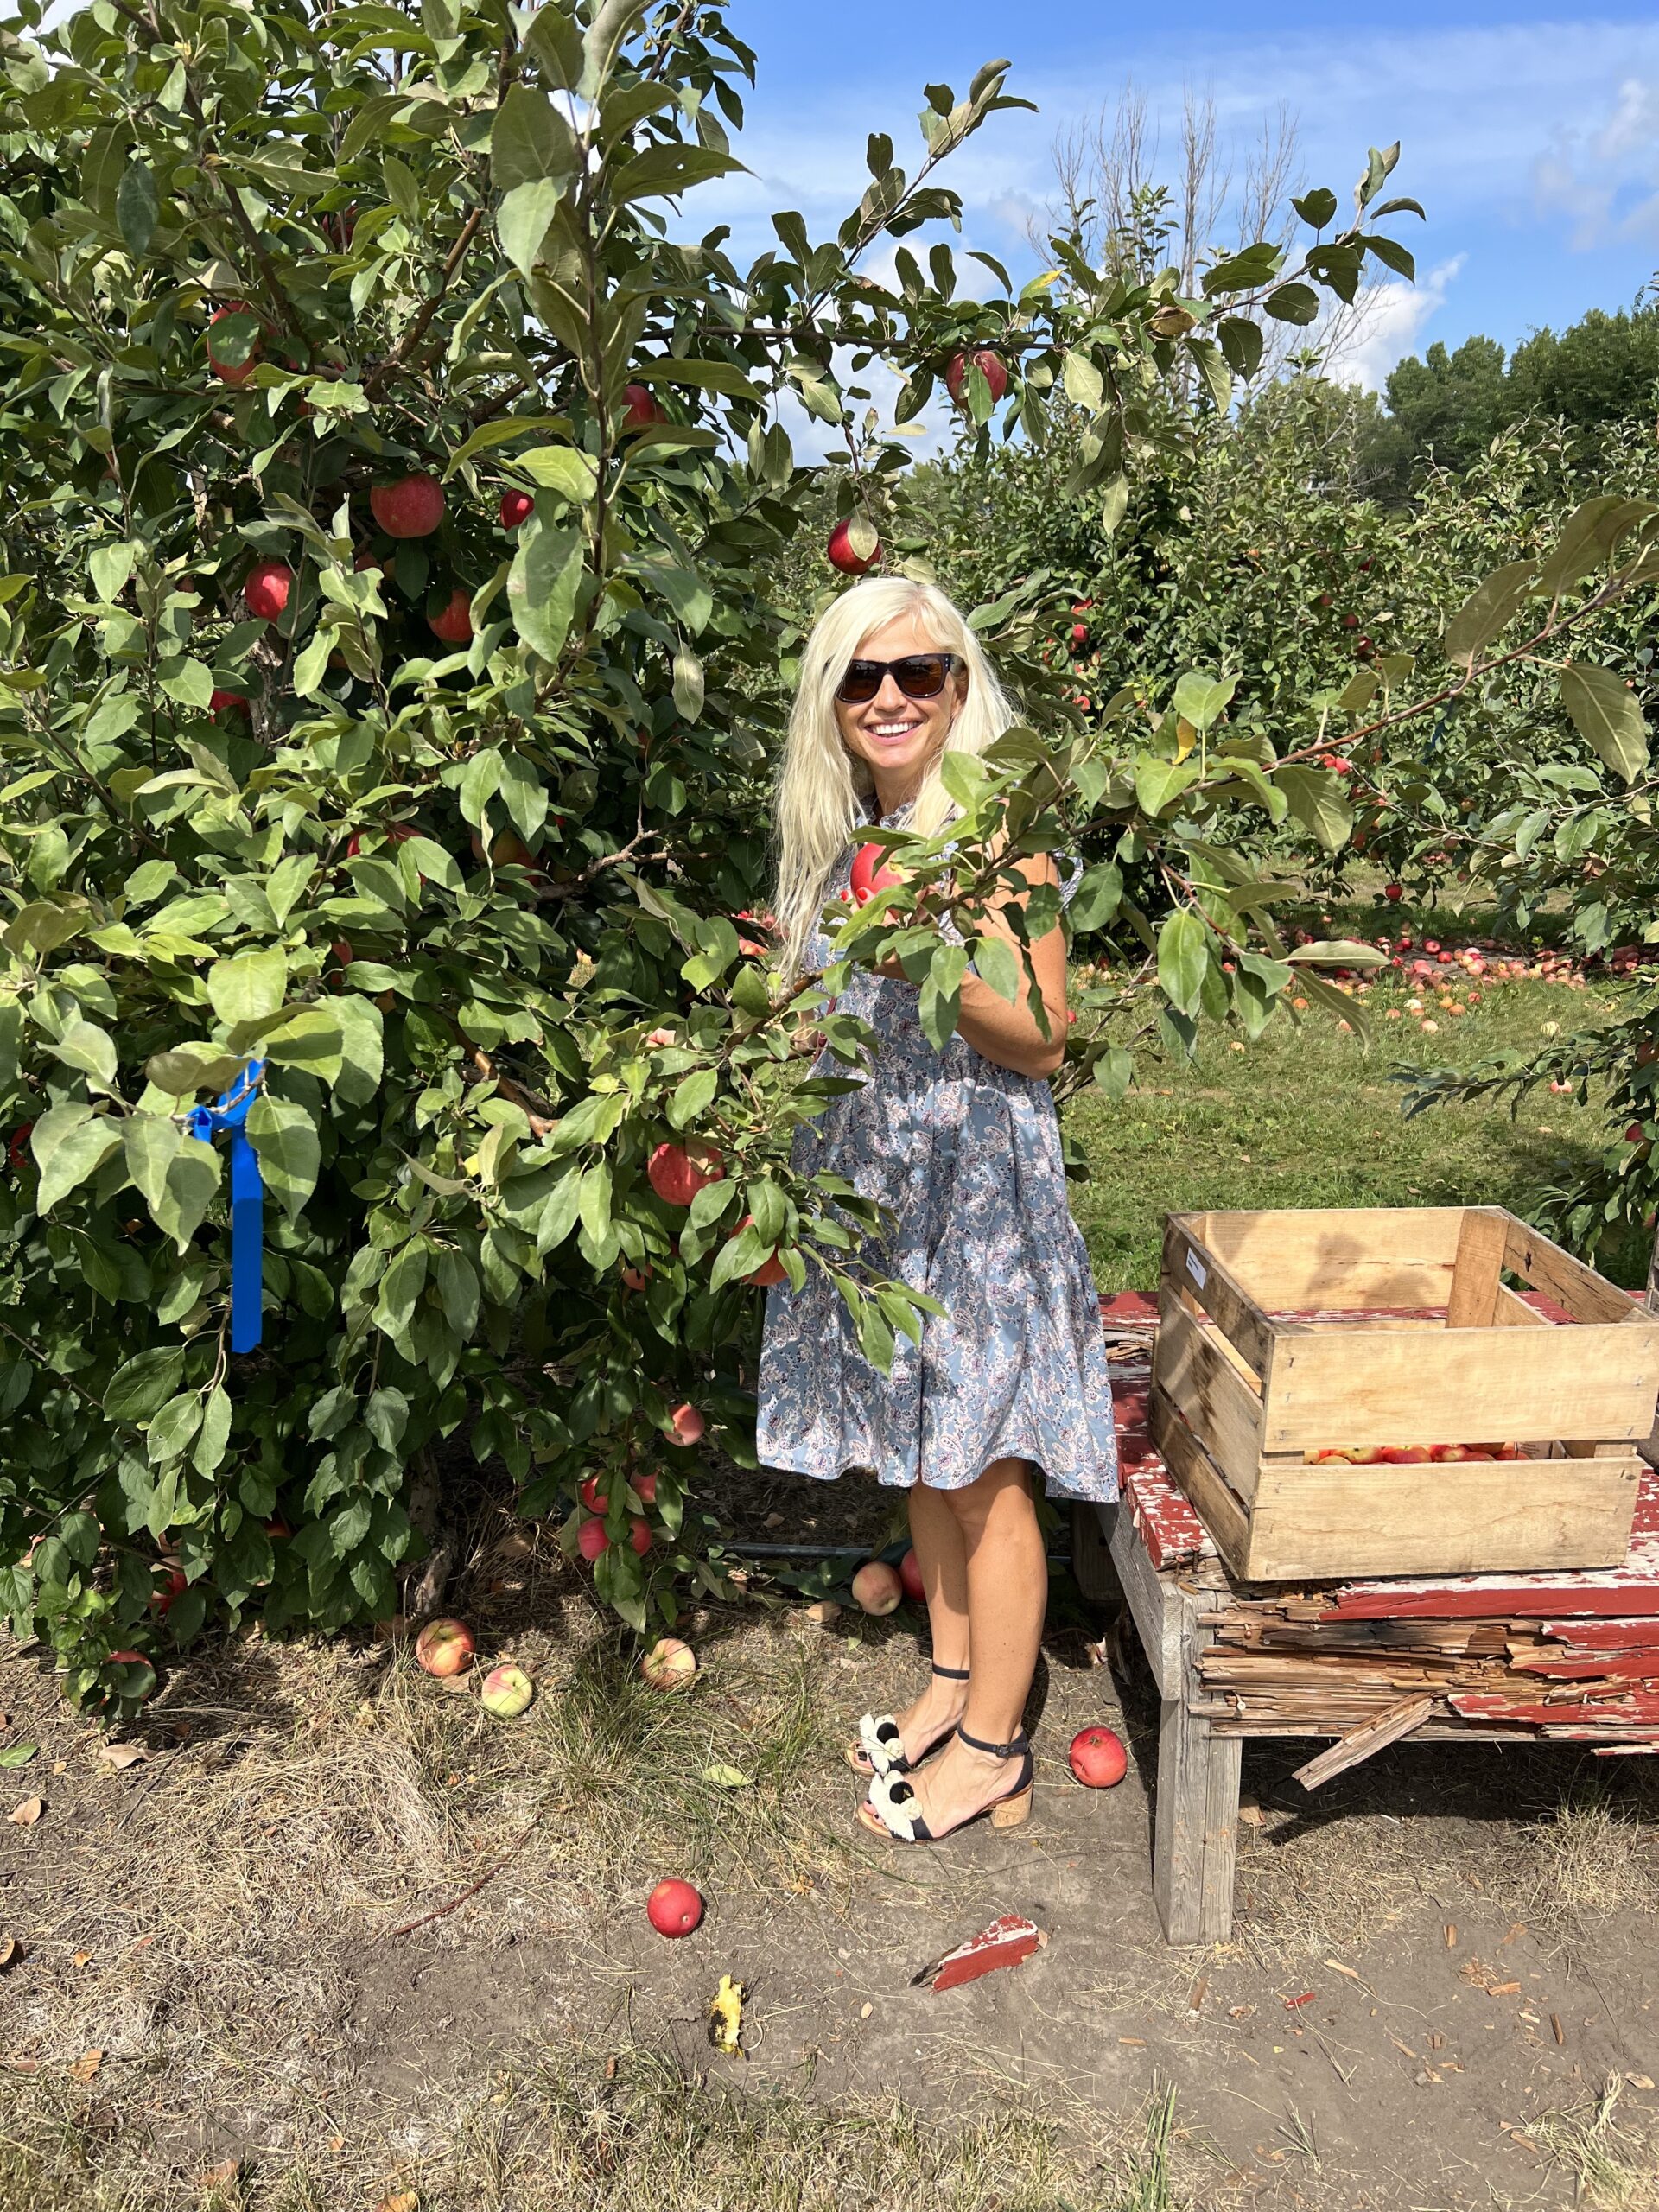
1307	1116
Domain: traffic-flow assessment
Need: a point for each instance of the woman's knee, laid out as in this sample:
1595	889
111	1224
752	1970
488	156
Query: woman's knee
975	1503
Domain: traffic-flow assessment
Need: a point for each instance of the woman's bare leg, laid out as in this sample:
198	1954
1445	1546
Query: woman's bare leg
1007	1577
942	1556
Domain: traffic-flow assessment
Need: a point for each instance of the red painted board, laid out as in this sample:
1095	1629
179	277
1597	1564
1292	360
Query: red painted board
1640	1666
1604	1636
1165	1523
1007	1942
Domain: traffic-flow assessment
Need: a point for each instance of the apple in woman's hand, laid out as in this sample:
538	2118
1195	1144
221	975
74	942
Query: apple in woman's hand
872	872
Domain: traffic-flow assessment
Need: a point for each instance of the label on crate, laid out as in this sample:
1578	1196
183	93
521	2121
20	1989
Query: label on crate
1196	1267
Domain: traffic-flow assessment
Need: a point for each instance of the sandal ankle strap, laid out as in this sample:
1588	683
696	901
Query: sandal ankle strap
953	1674
1016	1745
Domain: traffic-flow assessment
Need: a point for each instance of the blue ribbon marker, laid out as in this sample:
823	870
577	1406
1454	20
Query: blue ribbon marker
247	1203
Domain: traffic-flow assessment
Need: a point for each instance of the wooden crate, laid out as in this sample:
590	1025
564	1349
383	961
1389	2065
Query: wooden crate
1245	1388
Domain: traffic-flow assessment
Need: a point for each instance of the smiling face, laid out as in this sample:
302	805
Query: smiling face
900	737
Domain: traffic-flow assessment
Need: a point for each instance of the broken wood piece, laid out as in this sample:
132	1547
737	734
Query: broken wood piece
1359	1743
1007	1942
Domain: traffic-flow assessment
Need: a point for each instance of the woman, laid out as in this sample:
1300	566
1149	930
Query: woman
964	1146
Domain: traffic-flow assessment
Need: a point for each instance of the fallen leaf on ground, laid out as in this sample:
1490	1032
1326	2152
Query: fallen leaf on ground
82	1959
1252	1814
18	1754
727	1778
1640	2081
400	2200
26	1814
117	1755
86	2066
10	1951
1519	1929
220	2176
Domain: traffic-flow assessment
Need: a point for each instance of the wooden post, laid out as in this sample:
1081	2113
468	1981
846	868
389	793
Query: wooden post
1195	1830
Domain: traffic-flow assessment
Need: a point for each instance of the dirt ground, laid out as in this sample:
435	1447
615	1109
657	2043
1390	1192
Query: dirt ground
1442	1993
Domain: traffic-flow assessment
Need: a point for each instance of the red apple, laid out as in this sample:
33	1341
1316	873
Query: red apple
641	410
685	1424
678	1172
876	1587
595	1497
674	1908
516	507
669	1664
910	1574
444	1648
871	874
232	371
411	506
639	1534
176	1583
636	1278
507	1691
841	555
591	1539
453	620
1098	1757
265	591
989	365
135	1659
1394	891
227	702
645	1488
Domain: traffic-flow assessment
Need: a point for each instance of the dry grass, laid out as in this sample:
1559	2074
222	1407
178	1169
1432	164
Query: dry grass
1614	2169
1595	1855
632	2131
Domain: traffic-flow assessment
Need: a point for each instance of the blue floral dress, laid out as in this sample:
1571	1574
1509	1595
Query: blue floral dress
967	1155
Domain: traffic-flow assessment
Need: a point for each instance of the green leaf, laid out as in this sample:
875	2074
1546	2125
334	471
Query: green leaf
542	587
67	1151
522	218
1159	783
1212	367
1114	1073
692	1097
90	1049
940	1002
1579	547
1316	800
1607	716
249	987
1242	343
1338	952
18	1754
1317	207
136	209
1201	699
727	1778
285	1138
173	1427
530	141
728	378
1293	303
214	1432
565	469
1488	610
1085	387
139	1388
1182	958
1000	966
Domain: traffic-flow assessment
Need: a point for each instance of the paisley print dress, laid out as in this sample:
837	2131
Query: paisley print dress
967	1155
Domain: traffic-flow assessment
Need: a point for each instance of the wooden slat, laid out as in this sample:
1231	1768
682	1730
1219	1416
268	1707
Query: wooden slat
1223	1513
1153	1602
1585	1294
1195	1823
1470	1517
1359	1743
1511	1311
1203	1274
1338	1385
1191	1366
1477	1270
1337	1257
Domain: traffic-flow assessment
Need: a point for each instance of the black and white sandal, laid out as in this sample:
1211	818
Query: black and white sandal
880	1748
890	1809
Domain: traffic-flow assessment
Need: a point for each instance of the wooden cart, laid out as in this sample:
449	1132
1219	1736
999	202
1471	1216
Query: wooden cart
1564	1655
1287	1335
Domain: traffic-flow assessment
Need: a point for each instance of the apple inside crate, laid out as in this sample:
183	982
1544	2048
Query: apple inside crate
1284	1336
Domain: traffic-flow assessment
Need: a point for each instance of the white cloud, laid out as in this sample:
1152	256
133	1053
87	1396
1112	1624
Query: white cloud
1386	324
1590	172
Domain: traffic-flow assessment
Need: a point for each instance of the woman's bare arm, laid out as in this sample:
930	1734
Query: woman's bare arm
1008	1034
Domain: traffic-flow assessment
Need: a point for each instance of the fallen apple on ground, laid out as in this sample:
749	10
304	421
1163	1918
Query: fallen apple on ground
674	1908
1098	1758
876	1587
507	1692
444	1648
910	1575
670	1664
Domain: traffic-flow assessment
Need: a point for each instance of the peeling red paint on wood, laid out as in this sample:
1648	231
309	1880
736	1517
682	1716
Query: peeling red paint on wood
1007	1942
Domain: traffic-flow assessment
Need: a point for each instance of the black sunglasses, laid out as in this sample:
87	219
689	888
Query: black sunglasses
919	676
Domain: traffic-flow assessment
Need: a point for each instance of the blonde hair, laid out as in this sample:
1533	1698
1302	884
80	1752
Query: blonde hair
822	787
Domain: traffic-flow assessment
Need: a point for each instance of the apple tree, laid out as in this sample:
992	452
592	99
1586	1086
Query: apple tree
390	1055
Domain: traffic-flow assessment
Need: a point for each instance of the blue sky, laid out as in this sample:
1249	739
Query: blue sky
1530	134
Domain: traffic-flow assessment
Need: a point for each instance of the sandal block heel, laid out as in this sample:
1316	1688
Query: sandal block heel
1012	1812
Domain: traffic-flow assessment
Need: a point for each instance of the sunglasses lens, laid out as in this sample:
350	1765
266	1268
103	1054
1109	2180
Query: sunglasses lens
861	682
921	677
